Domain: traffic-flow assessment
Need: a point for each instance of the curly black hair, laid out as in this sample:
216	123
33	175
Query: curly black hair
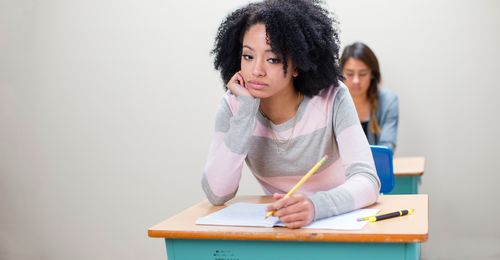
300	29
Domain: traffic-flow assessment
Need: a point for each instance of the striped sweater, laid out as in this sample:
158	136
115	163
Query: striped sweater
324	124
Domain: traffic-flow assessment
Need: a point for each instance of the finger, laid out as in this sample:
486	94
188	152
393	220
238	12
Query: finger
275	205
278	196
241	80
238	90
280	203
283	201
290	207
297	220
301	206
295	224
292	217
233	83
243	85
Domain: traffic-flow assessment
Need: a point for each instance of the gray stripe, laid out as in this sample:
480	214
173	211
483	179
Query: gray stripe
264	160
214	199
222	117
331	203
339	200
241	125
344	111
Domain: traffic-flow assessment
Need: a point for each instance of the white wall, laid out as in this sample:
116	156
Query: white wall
106	113
441	57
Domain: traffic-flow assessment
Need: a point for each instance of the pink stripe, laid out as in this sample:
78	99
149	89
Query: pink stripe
366	193
234	105
262	130
353	146
327	179
223	168
316	115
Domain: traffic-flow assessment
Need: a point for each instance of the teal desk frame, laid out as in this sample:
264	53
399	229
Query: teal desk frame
178	249
408	172
406	185
397	238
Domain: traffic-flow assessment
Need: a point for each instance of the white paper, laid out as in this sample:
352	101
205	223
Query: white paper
239	214
251	214
347	221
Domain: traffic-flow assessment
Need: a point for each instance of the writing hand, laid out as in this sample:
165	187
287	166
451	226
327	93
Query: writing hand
295	211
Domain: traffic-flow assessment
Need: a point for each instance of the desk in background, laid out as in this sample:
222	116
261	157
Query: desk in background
407	174
396	238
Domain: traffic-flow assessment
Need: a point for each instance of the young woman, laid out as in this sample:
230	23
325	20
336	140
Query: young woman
284	109
378	109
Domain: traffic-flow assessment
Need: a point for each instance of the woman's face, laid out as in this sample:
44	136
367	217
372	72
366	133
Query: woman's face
357	77
262	69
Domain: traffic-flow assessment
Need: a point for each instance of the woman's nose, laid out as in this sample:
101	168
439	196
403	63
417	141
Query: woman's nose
258	69
355	79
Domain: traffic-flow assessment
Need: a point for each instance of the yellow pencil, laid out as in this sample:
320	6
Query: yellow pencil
304	179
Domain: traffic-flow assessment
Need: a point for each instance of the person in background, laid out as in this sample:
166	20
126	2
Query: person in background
284	109
378	109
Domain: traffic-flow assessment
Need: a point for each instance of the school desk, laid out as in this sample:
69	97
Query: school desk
391	239
407	174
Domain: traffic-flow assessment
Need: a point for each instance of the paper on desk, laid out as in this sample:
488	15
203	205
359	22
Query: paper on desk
347	221
239	214
251	214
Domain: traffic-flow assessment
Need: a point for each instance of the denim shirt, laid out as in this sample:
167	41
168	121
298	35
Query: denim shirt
388	117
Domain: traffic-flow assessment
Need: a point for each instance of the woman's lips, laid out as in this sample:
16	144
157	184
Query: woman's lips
256	84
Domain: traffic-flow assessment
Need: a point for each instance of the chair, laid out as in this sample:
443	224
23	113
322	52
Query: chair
382	155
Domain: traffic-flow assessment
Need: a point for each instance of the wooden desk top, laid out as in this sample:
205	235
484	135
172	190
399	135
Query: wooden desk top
409	166
405	229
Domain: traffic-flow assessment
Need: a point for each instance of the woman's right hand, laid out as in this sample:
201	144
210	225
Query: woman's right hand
237	85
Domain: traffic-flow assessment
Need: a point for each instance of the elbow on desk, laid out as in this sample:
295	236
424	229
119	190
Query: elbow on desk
373	192
219	201
215	199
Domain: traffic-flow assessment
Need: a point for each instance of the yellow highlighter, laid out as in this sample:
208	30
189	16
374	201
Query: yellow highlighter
304	179
388	215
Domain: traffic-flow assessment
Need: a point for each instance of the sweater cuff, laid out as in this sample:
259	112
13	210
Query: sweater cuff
320	206
331	203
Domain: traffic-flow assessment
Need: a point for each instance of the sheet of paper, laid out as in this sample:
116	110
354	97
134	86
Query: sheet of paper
347	221
239	214
251	214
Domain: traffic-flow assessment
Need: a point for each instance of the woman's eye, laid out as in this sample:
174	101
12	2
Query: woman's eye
274	61
246	57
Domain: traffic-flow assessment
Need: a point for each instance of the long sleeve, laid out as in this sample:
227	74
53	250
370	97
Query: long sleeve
389	121
361	186
234	125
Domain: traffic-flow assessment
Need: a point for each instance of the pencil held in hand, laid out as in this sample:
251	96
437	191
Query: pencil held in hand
304	179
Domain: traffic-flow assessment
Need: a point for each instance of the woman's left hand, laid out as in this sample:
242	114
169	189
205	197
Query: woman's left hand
295	211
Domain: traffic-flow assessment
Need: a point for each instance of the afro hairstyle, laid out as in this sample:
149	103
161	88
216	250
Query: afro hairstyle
301	30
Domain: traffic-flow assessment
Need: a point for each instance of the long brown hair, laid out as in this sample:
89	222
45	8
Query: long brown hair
362	52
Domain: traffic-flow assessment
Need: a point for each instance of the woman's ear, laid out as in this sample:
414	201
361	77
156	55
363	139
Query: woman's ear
295	73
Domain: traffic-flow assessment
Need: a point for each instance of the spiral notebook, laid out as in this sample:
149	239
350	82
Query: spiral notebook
252	215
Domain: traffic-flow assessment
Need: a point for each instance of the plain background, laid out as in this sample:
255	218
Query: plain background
107	110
